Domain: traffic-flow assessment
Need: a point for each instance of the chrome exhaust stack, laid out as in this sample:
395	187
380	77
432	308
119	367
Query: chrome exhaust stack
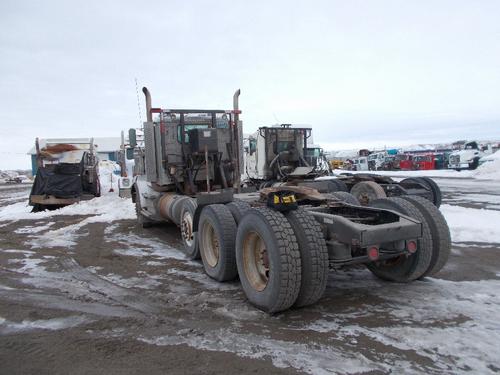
238	137
147	94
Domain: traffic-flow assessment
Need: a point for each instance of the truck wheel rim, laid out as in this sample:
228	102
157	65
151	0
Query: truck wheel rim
211	245
255	261
187	228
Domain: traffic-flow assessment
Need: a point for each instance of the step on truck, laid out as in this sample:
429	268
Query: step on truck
281	241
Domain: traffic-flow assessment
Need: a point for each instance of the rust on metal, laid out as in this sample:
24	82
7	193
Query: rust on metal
300	192
164	204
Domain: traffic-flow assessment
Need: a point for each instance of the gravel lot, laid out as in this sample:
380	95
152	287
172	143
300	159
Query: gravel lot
93	293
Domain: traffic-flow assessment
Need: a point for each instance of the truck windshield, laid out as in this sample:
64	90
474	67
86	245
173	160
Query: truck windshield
187	128
285	145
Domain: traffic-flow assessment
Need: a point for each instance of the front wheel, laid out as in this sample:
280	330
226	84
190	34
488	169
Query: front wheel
268	260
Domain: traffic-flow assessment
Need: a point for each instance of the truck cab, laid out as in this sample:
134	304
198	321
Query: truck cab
376	160
361	163
425	162
466	158
277	151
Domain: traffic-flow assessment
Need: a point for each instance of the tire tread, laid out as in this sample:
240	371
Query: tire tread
314	256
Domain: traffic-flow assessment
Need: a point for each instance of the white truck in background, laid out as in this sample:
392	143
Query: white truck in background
361	163
376	160
468	157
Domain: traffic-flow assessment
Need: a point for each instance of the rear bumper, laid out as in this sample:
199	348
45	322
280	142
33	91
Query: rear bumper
349	240
362	235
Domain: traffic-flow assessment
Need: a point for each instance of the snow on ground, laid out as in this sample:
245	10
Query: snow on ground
108	207
462	330
314	359
15	196
490	169
34	229
459	334
136	246
453	325
472	224
104	209
7	327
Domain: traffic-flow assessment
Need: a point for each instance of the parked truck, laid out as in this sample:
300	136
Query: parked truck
66	173
467	157
275	156
280	241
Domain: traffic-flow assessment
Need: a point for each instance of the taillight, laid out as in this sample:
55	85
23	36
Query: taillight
411	246
373	253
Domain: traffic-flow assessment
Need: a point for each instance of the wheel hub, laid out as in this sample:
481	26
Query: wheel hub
187	228
210	245
256	261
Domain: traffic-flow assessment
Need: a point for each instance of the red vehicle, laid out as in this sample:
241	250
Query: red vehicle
406	162
425	162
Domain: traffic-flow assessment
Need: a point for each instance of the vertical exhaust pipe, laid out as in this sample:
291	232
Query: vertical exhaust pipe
147	94
39	162
238	136
236	97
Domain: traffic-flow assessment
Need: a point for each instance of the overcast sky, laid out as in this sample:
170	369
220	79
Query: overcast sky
361	73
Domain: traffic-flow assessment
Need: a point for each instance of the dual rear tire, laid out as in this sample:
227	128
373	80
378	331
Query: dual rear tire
433	248
216	236
281	260
429	184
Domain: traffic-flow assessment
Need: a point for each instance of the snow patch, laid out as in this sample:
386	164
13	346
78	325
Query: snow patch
108	208
141	247
472	224
490	169
312	358
453	324
7	327
132	282
32	230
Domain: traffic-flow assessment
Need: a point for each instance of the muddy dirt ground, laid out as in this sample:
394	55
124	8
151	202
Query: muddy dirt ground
81	297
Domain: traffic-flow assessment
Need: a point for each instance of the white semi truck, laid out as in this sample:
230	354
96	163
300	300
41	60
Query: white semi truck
468	157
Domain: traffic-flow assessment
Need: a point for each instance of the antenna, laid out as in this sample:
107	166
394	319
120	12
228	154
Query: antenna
138	103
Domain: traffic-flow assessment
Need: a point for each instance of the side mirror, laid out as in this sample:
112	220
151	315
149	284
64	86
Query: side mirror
132	138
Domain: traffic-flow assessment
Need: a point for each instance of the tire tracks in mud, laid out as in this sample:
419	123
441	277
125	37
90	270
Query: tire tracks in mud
77	289
105	298
111	291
